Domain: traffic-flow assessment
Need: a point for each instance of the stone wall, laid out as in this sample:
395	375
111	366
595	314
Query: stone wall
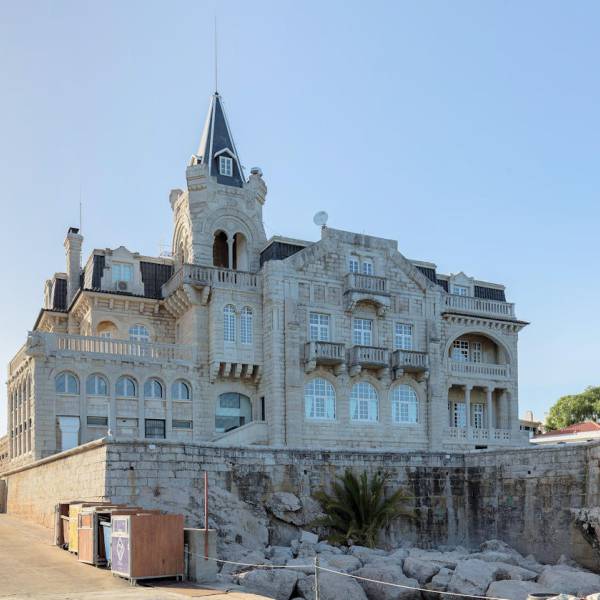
524	496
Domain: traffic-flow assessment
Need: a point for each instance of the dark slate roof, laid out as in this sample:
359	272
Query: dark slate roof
278	251
428	272
217	137
489	293
443	283
154	275
59	294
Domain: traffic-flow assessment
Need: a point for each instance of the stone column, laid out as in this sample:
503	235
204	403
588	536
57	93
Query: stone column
468	389
230	252
489	397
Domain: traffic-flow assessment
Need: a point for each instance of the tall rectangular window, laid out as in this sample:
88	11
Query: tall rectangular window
155	428
246	325
319	327
476	354
367	267
459	415
229	323
122	272
477	416
225	166
353	264
362	332
403	339
460	350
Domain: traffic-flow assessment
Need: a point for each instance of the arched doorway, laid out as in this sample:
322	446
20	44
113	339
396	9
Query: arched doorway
233	410
221	250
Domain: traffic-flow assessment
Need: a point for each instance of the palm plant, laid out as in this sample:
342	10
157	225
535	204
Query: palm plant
357	510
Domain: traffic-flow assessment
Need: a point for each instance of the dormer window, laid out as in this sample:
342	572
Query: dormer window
122	272
460	290
225	166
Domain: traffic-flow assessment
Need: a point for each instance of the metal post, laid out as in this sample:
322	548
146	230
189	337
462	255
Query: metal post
316	577
205	515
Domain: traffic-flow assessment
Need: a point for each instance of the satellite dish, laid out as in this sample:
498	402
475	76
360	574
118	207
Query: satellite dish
320	218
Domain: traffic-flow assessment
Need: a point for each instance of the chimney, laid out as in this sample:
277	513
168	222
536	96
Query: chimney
73	243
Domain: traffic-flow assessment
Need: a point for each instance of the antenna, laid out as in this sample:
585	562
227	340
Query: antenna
216	59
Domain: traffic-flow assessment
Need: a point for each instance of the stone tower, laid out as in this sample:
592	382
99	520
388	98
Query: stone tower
218	220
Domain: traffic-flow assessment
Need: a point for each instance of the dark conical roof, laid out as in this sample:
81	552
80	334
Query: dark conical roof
217	141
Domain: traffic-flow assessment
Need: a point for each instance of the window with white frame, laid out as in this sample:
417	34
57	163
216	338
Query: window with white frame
96	385
126	388
362	332
403	338
225	166
460	290
180	390
319	399
367	266
364	402
181	424
460	350
319	327
153	389
139	333
459	414
246	325
229	323
122	271
353	264
66	383
477	416
405	405
475	352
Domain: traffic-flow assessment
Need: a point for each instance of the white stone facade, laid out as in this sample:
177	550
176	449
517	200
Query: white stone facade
238	340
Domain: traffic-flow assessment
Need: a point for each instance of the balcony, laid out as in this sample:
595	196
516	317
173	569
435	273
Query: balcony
206	277
409	361
370	288
368	357
478	306
324	353
63	344
479	370
493	437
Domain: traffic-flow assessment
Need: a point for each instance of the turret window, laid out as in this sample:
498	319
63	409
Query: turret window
229	323
225	166
246	326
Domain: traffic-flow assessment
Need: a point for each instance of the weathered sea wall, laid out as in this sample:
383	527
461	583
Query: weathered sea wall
524	497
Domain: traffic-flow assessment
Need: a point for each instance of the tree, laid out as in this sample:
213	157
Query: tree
575	409
358	510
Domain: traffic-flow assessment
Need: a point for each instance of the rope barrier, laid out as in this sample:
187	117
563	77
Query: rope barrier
318	567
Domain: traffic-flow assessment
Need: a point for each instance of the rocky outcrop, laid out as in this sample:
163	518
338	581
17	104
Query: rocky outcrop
421	570
278	584
515	590
569	580
380	591
331	587
472	577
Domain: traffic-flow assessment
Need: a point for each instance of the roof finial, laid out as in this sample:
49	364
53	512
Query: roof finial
216	60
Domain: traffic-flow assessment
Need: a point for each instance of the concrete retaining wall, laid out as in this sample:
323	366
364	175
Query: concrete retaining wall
524	497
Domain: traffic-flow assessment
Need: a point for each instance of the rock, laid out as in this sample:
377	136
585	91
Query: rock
378	591
399	555
279	555
346	563
309	537
508	571
296	511
472	577
282	534
443	559
325	547
306	549
568	580
277	583
419	569
331	587
302	564
281	503
365	554
498	551
237	553
440	583
515	590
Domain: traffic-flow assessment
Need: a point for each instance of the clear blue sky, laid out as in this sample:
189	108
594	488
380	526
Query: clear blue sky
469	131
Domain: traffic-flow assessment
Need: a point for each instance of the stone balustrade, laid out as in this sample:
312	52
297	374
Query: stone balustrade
410	360
210	276
330	353
479	370
369	356
479	306
481	435
366	283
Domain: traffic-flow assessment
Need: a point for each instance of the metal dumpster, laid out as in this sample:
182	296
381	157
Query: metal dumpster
147	545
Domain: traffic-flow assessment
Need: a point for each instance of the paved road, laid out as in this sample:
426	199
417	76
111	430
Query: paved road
31	567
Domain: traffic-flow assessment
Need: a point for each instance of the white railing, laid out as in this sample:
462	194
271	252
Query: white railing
480	370
331	352
66	343
369	355
410	359
366	283
479	306
477	434
205	276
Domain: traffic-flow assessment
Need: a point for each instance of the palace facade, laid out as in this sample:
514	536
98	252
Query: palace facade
236	339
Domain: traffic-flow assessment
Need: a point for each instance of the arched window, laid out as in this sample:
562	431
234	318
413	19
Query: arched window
126	388
233	410
96	385
106	329
66	383
180	390
153	389
221	250
246	325
405	405
139	333
364	402
319	399
229	323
